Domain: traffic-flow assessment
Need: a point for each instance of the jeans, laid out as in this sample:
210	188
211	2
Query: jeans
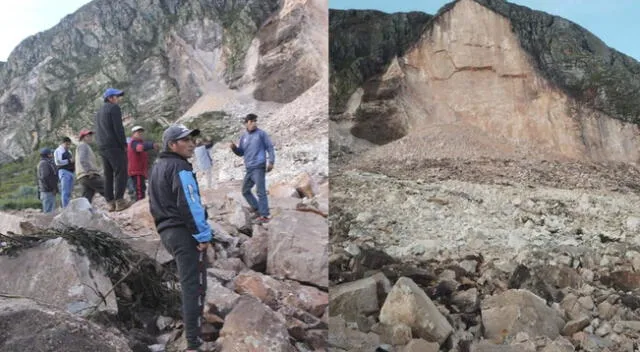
48	202
115	169
256	176
66	185
192	272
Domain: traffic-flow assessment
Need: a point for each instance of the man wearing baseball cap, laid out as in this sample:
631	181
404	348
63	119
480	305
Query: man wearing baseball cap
181	221
87	171
259	156
47	180
112	146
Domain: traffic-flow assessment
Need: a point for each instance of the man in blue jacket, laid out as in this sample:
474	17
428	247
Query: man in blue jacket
181	221
66	168
259	156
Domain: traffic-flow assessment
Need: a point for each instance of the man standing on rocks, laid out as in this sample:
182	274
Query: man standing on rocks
139	161
47	181
66	167
86	167
112	145
203	158
254	146
181	221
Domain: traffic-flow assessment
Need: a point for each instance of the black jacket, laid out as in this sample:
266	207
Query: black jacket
174	197
47	176
109	130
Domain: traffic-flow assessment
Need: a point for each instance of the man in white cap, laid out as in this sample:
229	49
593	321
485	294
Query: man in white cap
87	171
112	145
138	160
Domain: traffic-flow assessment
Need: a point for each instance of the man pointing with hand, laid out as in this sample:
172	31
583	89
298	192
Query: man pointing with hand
259	156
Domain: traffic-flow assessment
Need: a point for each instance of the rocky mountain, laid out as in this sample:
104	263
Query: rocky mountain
515	79
483	182
174	59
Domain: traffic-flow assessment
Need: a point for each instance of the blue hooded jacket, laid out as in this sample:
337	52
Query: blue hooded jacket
255	147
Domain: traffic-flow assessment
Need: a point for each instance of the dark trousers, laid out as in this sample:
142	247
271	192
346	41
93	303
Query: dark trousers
90	185
140	186
192	266
256	176
115	169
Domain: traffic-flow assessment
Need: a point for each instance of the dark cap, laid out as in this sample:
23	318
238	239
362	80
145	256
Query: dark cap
250	117
66	140
175	132
45	152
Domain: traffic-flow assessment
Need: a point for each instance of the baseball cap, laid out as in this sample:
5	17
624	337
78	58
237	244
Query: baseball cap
111	92
84	133
45	151
175	132
250	117
137	128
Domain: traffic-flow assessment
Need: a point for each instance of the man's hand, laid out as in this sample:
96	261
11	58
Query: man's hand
203	246
269	167
232	145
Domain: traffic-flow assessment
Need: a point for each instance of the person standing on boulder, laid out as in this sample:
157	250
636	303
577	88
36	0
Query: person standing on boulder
181	221
254	146
203	158
139	161
47	180
112	145
66	167
86	167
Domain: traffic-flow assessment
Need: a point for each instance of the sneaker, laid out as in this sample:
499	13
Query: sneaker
112	206
122	204
261	220
253	214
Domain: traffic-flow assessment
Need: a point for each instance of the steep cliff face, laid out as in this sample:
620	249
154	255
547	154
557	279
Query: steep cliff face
492	79
165	54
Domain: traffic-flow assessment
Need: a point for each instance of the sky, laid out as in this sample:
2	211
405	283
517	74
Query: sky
25	18
614	22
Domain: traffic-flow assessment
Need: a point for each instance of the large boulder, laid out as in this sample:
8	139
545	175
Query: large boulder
408	304
252	326
57	274
514	311
30	326
298	247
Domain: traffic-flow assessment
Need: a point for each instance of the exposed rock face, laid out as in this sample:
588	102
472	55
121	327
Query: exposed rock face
484	70
166	55
55	273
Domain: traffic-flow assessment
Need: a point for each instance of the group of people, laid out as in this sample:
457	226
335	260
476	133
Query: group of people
174	193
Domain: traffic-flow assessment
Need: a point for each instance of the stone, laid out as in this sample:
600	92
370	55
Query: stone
163	322
560	344
304	185
513	311
10	223
354	299
348	339
54	272
586	302
252	325
221	274
469	266
420	345
573	326
255	250
399	334
606	310
466	300
262	287
487	346
223	298
235	265
298	248
57	330
408	304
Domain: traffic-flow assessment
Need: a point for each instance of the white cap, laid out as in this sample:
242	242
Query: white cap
137	128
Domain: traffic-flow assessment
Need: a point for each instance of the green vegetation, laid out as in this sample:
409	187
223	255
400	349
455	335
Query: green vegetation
18	184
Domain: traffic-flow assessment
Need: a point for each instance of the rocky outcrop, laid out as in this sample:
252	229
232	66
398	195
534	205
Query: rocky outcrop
541	98
168	56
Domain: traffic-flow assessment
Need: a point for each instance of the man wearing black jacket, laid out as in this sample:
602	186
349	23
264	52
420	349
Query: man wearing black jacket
47	180
112	145
181	221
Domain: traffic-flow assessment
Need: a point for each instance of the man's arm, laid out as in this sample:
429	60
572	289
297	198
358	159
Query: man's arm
237	149
190	206
57	157
116	123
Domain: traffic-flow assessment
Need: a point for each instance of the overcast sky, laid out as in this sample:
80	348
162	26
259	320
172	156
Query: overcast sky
616	22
